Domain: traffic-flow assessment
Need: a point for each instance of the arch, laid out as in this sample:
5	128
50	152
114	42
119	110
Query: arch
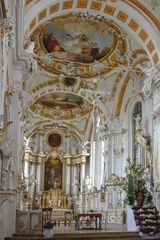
130	108
137	20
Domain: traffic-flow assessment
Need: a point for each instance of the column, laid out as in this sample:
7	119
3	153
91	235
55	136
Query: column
92	162
26	170
75	179
110	156
68	174
38	177
83	162
97	163
42	173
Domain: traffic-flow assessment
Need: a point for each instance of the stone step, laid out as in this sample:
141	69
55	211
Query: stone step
81	235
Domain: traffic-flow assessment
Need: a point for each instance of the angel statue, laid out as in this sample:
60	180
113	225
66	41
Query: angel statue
150	71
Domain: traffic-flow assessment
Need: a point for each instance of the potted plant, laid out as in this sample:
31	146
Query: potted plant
48	229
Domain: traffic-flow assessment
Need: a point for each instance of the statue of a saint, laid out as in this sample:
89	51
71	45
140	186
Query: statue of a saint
138	122
76	186
87	184
9	169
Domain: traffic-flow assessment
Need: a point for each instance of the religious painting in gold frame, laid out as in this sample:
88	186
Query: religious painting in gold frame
53	167
53	174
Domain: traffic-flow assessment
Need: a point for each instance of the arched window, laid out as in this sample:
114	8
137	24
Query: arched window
137	112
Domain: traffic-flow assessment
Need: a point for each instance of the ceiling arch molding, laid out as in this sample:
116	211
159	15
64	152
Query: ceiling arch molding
104	115
137	21
124	86
59	126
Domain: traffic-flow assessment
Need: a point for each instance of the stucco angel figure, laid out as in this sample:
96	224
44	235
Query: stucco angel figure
150	71
103	131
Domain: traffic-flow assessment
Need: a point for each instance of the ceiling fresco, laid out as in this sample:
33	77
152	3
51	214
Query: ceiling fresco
74	39
62	100
72	43
61	105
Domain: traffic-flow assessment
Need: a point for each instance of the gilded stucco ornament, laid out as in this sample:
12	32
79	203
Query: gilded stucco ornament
115	180
97	67
103	131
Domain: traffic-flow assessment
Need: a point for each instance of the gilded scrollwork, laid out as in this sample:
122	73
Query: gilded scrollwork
115	180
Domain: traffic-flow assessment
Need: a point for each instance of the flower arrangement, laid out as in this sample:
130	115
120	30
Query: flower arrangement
147	219
140	198
136	187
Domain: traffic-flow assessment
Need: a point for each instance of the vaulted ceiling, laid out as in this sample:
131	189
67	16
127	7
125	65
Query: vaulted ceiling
86	52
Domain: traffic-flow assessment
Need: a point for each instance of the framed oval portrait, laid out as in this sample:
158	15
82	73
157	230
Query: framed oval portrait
54	139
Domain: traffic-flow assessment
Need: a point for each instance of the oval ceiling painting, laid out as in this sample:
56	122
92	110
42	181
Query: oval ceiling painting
62	105
72	43
73	38
63	100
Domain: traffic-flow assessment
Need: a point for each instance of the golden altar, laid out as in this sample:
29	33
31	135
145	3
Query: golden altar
54	199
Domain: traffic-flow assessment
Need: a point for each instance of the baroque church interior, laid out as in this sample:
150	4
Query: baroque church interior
79	113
